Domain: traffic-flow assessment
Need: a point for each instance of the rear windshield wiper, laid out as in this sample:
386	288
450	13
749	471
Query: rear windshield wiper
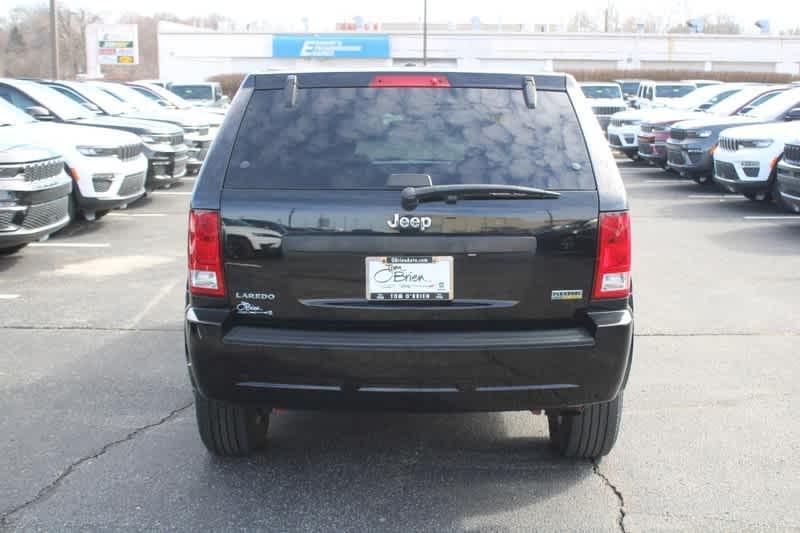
411	197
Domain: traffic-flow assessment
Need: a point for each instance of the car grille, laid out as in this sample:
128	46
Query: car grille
203	131
645	148
607	110
43	170
45	214
646	129
678	135
176	139
730	145
618	122
5	218
132	184
791	154
129	151
675	157
614	139
725	170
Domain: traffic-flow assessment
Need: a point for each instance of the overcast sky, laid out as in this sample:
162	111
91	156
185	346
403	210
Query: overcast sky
323	14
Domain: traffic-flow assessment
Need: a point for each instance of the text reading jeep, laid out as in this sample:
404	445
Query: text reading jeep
408	240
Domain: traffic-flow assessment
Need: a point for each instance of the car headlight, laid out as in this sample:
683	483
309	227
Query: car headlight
96	151
10	172
154	139
659	128
756	143
704	133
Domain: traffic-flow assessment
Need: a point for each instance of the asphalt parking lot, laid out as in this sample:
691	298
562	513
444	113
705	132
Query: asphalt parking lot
99	432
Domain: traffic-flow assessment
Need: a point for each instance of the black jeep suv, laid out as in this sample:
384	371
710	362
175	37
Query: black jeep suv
409	240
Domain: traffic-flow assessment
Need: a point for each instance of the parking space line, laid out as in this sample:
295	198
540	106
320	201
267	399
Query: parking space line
70	245
144	215
772	217
716	196
668	181
9	296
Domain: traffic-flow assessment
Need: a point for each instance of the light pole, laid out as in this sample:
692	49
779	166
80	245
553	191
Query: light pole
54	70
424	32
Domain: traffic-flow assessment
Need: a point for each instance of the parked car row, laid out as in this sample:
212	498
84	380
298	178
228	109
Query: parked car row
742	136
110	142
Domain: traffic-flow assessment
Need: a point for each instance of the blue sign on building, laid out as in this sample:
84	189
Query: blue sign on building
331	45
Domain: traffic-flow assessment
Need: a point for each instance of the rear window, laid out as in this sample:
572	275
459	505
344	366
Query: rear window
673	91
356	138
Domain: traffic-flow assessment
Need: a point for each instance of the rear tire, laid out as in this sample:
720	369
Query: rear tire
590	434
230	430
633	156
12	249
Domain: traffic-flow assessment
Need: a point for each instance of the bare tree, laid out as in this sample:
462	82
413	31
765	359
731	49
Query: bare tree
583	21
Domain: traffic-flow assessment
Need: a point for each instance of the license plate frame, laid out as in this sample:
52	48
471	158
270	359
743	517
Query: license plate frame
409	278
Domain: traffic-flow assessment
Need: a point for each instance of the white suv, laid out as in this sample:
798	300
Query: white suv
746	158
107	166
605	100
660	93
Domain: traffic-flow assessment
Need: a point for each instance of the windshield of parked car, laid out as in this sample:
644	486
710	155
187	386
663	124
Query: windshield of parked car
101	99
730	105
601	91
673	91
193	92
777	106
10	115
356	138
169	96
630	87
130	97
57	103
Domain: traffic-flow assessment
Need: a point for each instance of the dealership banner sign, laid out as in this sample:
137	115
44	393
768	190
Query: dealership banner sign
332	46
115	44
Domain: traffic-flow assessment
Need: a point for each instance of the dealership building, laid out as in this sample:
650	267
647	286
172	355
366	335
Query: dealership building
189	53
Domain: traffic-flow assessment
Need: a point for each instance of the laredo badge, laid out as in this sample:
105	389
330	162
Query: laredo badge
566	295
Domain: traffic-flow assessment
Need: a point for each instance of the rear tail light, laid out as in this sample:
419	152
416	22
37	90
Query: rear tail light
613	273
205	254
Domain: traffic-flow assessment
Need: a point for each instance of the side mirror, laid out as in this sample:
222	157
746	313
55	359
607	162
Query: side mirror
39	113
162	103
793	114
91	107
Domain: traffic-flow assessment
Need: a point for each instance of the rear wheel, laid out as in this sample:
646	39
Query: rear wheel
230	430
590	434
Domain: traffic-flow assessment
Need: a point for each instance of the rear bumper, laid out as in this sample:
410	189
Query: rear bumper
409	371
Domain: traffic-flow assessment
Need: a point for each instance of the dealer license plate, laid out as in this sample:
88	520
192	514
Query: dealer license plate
409	278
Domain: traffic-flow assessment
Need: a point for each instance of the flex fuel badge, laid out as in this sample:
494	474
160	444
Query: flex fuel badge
560	296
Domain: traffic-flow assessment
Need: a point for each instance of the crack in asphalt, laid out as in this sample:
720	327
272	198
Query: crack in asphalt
85	328
615	490
48	489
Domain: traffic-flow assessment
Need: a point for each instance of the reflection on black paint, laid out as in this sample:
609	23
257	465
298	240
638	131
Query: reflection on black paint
355	138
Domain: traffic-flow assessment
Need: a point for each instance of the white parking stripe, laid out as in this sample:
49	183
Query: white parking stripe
70	245
667	181
9	296
716	196
772	217
127	215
